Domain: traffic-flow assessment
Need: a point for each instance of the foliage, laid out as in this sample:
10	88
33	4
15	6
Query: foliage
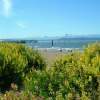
74	76
16	60
11	95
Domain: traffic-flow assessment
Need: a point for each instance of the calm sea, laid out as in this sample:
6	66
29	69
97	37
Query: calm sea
64	43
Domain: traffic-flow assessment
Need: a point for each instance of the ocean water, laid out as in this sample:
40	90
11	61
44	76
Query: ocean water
64	43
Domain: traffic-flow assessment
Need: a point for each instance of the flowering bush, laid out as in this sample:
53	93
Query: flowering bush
73	76
17	60
76	75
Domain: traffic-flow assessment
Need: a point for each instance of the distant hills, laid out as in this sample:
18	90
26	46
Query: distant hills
81	36
66	36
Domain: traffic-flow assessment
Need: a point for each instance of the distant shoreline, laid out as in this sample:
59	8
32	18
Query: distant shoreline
57	49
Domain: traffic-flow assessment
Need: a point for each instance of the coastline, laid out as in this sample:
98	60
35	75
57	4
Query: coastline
51	54
57	49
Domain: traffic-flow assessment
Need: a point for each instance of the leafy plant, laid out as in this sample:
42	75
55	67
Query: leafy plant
16	60
73	76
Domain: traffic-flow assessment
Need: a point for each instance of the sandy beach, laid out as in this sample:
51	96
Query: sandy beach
51	54
50	57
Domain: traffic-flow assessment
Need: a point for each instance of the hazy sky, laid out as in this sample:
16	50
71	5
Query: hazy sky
37	18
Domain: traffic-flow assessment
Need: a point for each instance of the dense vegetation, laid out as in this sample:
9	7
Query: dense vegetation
15	61
74	76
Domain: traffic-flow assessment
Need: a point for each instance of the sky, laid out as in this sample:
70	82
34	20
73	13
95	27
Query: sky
39	18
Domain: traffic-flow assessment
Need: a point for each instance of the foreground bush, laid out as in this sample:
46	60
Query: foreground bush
17	60
74	76
11	95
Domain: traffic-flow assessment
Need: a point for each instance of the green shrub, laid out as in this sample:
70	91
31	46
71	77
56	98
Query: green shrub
73	76
16	60
36	82
11	95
